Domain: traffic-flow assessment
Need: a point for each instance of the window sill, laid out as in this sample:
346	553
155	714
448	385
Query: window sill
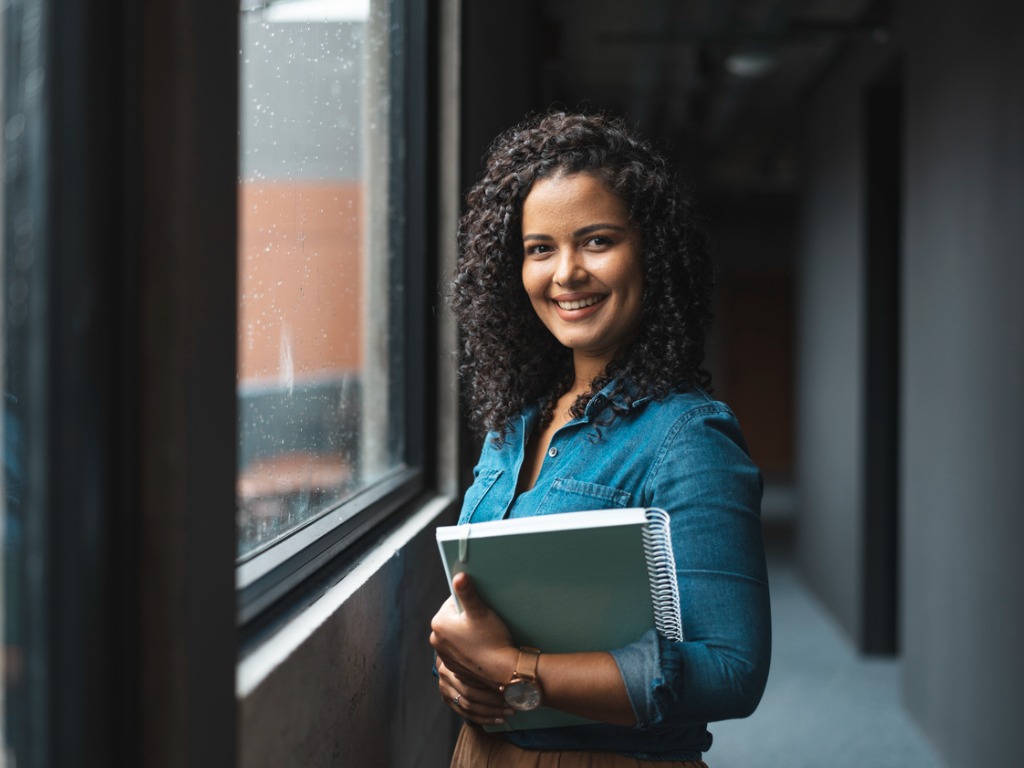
262	661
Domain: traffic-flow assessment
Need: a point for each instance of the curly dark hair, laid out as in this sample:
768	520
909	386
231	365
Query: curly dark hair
508	359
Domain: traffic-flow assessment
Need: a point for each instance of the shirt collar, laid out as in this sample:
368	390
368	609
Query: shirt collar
598	403
625	397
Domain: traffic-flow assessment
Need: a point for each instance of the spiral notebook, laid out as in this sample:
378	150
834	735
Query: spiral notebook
577	581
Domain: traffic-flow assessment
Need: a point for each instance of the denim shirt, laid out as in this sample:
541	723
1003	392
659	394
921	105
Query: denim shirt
684	454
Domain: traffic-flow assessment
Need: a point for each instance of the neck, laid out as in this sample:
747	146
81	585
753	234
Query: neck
586	370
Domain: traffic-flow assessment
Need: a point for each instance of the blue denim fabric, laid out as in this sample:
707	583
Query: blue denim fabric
684	454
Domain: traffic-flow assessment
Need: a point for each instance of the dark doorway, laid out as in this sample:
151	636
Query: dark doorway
883	114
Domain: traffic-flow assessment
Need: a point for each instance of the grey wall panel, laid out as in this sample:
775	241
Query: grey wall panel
963	393
358	689
830	360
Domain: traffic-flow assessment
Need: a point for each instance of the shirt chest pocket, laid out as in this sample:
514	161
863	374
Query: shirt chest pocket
568	495
475	495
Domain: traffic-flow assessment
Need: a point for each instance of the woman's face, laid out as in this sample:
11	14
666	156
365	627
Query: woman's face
582	265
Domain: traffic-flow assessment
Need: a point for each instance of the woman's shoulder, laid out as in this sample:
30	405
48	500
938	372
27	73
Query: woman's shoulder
690	415
692	402
695	425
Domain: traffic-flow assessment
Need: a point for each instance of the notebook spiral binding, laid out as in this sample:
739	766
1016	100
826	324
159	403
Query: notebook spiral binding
661	571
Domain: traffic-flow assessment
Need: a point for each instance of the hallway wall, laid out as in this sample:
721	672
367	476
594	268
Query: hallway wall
962	365
963	420
831	307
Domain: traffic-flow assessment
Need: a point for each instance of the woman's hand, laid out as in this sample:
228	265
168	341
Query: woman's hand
475	655
479	704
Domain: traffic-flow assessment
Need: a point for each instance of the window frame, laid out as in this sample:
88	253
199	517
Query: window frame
269	575
130	463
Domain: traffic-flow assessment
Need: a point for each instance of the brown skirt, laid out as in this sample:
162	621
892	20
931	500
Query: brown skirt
478	749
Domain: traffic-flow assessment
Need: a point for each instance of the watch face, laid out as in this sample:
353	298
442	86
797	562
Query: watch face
522	695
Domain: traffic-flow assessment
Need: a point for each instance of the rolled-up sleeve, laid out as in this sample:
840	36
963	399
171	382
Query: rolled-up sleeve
706	481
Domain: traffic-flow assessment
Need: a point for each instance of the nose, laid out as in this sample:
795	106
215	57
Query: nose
569	269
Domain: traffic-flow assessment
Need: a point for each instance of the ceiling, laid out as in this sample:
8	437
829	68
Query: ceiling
718	82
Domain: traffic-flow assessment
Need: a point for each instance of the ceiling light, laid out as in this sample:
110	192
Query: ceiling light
751	64
318	11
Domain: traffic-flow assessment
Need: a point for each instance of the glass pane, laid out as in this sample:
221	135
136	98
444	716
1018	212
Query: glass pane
318	414
23	619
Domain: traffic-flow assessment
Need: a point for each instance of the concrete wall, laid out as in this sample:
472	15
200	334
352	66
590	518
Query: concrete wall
963	392
348	682
962	366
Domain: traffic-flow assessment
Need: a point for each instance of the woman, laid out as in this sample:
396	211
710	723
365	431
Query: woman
582	294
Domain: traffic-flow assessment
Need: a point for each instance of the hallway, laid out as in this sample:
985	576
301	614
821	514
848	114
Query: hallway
826	706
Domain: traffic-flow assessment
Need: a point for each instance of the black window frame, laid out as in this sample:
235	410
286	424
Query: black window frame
129	453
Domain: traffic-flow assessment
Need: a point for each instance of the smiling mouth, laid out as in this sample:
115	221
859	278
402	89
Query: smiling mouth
580	303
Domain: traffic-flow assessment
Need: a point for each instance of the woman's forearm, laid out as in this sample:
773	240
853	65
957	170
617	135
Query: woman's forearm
586	684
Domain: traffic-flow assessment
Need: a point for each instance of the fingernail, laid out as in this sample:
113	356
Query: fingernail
499	721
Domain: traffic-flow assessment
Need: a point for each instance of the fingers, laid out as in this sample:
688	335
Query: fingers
444	620
467	595
477	712
477	704
476	639
444	614
463	680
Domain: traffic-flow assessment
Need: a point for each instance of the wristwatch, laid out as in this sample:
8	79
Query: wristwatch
522	691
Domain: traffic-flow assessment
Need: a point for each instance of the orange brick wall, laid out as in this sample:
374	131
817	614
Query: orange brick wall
300	279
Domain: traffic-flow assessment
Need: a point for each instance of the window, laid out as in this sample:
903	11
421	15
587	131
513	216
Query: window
327	307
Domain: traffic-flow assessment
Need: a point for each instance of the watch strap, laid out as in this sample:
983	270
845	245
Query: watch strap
526	663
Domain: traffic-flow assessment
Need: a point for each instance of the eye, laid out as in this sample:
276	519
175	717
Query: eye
599	242
537	249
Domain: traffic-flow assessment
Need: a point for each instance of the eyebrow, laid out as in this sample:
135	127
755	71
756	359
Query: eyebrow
579	232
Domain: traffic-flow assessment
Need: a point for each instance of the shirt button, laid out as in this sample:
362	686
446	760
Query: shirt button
552	452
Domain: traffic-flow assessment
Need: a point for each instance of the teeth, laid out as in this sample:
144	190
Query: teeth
579	304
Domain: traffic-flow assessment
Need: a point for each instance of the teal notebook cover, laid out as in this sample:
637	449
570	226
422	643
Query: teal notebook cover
578	581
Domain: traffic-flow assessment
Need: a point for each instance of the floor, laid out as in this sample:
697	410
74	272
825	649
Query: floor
825	705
